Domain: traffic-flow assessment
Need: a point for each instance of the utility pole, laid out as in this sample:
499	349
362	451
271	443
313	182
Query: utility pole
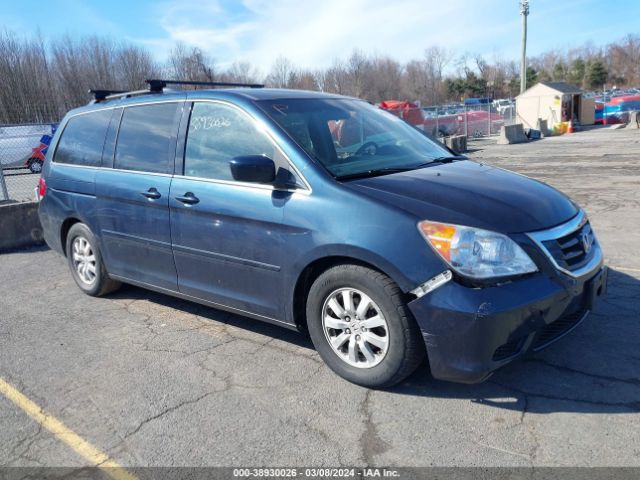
524	11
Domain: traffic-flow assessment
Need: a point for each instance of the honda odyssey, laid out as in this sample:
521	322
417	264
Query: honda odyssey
324	214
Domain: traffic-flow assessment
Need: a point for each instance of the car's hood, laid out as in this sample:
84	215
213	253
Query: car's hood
468	193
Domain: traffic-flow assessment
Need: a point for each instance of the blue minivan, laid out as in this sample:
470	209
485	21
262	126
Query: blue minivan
320	213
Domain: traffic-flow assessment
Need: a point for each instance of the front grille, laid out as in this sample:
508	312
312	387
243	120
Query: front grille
574	250
558	328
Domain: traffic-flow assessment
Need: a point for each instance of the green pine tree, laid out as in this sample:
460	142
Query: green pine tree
532	77
596	74
577	72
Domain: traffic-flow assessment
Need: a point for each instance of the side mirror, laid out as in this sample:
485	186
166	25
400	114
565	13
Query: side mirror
253	169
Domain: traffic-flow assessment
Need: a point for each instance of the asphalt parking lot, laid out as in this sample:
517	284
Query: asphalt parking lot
153	381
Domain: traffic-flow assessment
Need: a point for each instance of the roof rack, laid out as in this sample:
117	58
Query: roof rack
106	95
157	86
100	95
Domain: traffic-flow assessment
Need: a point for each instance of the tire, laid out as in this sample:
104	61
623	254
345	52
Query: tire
35	166
397	347
85	262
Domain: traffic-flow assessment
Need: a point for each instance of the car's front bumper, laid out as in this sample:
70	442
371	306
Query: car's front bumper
469	332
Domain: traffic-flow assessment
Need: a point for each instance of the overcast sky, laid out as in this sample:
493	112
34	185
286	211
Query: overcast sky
313	33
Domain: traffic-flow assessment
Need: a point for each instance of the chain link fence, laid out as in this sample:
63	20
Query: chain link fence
471	120
22	151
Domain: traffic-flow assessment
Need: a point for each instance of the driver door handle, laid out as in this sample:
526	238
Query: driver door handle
151	194
188	199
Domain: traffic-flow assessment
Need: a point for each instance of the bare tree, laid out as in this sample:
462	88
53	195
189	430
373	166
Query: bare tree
303	80
436	59
417	82
385	80
241	72
623	61
191	64
282	73
134	65
41	80
335	78
27	93
358	68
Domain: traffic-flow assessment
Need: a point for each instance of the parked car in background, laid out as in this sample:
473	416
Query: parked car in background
408	111
480	123
324	214
36	158
617	109
508	114
502	105
435	121
443	122
477	101
21	145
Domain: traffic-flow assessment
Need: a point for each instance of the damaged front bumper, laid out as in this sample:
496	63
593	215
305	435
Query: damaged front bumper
470	332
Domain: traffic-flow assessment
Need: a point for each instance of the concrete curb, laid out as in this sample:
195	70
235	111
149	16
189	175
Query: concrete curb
510	134
19	225
457	143
543	126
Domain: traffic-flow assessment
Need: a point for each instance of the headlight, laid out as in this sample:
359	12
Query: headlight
476	253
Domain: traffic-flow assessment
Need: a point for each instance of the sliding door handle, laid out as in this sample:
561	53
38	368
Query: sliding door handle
188	199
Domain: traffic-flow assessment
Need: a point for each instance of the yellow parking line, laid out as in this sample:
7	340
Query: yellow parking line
65	434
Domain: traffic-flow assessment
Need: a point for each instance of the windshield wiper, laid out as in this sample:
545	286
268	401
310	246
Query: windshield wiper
441	160
447	159
374	172
387	170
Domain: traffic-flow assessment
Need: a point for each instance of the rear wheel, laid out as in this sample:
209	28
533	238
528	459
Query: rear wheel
35	165
361	327
85	262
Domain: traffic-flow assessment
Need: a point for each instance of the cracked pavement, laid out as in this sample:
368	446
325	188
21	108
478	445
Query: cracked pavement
156	381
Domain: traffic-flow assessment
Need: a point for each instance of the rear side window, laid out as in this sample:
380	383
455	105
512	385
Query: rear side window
82	140
145	138
217	134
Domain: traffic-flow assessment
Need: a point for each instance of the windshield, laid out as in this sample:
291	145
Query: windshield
351	137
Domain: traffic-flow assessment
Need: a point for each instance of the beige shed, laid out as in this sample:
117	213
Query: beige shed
555	102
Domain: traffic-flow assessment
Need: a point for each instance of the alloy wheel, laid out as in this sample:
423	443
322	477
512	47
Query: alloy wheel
355	328
84	260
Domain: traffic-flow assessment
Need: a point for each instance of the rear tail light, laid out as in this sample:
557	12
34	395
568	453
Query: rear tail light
42	187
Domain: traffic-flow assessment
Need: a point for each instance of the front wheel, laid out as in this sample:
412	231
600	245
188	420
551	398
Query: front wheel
361	327
85	262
